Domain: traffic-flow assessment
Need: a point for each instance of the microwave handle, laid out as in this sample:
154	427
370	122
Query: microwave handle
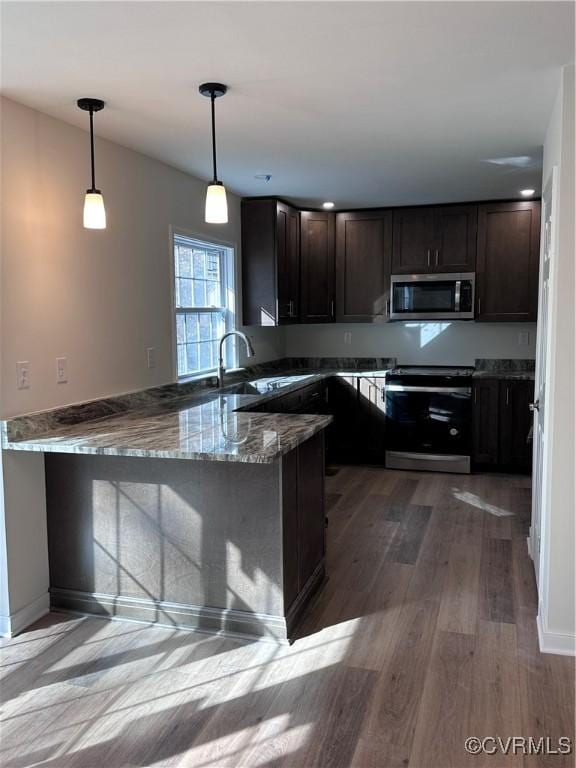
457	290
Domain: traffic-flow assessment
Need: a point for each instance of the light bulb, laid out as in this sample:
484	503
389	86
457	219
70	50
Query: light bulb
94	211
216	204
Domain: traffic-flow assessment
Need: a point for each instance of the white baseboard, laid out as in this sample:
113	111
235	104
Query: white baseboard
555	642
16	622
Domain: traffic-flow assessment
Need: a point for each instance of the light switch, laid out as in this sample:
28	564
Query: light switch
61	370
151	357
347	337
23	374
524	338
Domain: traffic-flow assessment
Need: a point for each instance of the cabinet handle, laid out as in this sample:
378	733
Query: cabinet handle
291	308
428	256
387	308
507	395
478	306
535	406
437	254
475	395
331	307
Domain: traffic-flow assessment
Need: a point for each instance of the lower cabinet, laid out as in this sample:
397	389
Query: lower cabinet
502	423
372	419
303	515
343	436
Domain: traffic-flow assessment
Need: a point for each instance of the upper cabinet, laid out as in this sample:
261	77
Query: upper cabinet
270	262
363	252
317	267
508	256
437	239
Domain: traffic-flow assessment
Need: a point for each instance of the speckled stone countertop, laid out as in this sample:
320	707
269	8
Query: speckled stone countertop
206	427
195	421
487	368
189	420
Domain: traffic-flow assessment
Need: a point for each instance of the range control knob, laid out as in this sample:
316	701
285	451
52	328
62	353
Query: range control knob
453	431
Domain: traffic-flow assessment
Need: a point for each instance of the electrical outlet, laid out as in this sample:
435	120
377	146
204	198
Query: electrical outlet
23	374
524	338
151	357
61	370
347	337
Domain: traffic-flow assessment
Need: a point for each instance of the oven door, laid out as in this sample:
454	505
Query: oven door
432	297
432	420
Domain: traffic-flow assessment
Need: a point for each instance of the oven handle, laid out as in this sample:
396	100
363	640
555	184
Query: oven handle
457	295
451	390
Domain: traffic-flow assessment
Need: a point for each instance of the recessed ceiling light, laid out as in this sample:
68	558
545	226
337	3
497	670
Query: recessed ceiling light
527	192
327	205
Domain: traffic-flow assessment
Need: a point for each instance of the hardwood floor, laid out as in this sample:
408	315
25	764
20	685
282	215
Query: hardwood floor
424	635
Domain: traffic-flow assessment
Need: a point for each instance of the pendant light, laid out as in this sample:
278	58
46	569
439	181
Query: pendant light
216	204
94	211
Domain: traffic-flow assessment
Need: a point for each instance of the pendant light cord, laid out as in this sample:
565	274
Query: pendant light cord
92	148
213	99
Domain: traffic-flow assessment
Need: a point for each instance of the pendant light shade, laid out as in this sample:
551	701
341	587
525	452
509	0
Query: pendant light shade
94	211
216	204
216	211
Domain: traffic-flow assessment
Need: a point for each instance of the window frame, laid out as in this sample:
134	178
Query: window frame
228	296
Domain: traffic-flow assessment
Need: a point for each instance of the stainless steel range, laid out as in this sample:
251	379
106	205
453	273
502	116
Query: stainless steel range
429	418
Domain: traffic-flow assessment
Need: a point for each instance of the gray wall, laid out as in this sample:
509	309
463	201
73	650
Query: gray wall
433	343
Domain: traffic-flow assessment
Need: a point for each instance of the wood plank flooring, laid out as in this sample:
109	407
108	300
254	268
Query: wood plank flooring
424	635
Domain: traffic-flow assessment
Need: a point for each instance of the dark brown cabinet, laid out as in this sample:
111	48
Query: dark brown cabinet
317	266
270	262
371	419
485	421
363	253
502	423
515	423
437	239
508	257
303	519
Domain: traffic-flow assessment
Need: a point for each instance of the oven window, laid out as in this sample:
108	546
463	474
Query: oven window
424	297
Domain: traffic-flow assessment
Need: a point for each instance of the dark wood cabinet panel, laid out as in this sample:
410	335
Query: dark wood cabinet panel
371	444
311	514
288	263
290	531
412	251
270	262
434	239
455	230
485	421
363	253
515	423
507	261
317	233
343	436
502	421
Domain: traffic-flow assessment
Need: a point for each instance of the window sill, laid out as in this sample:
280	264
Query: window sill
205	375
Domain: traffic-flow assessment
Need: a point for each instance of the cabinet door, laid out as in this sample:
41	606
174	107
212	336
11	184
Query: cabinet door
288	263
317	266
311	512
344	434
455	230
290	531
259	232
372	419
363	247
515	422
507	262
413	241
485	421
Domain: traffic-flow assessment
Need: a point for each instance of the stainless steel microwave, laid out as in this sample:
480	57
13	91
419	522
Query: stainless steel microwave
439	296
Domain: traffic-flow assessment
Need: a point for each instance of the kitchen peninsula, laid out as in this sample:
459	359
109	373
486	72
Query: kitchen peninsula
183	511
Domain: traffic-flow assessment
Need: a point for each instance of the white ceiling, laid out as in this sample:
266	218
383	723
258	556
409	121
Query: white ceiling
362	103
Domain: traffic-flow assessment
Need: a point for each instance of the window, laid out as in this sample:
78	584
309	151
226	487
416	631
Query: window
204	303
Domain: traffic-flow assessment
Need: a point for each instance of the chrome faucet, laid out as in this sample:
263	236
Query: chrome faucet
249	352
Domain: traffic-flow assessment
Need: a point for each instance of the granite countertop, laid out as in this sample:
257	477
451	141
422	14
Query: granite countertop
215	425
192	421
